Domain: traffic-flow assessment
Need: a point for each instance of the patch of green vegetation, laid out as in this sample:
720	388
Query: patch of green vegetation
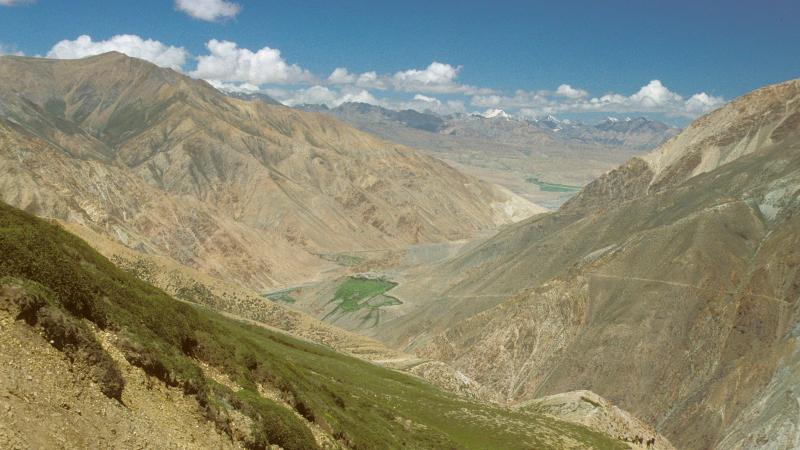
381	300
362	405
355	293
281	296
342	259
55	107
551	187
36	305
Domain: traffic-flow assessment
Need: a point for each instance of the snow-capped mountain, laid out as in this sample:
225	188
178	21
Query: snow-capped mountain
492	113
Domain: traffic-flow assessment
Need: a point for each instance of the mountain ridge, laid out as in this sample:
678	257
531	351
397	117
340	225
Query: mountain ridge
157	363
165	163
544	161
674	298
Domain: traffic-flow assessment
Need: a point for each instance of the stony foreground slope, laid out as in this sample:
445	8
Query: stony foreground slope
256	193
669	286
94	357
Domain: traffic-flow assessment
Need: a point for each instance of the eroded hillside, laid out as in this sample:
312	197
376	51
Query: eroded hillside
545	160
151	370
669	286
260	194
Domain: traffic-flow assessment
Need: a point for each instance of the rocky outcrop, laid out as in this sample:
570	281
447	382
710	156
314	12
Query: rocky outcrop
593	411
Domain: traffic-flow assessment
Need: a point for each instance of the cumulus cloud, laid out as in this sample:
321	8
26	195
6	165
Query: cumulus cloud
437	77
322	95
340	75
333	96
129	44
653	97
229	63
568	91
371	80
655	94
208	10
425	103
520	99
702	103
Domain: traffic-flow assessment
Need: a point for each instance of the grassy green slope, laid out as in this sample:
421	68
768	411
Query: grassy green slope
362	405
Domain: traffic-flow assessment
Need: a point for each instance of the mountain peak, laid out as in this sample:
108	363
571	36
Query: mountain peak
765	116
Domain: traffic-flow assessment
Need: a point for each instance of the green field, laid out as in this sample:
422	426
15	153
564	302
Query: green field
65	286
551	187
355	293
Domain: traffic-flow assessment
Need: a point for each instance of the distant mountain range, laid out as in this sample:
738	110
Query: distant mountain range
528	156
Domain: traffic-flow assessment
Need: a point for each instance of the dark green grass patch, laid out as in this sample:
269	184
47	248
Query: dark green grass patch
551	187
343	259
352	294
281	296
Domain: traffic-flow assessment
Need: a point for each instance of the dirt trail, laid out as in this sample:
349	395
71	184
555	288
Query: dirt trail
686	285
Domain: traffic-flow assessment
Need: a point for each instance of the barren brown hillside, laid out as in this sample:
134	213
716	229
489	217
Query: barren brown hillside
669	286
256	193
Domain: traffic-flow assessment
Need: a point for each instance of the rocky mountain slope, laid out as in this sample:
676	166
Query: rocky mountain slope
670	286
545	160
249	192
95	357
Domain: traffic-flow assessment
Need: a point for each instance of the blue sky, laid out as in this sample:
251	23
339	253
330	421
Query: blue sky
672	59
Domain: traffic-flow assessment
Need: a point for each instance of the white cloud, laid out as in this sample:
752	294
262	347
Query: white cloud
321	95
229	63
426	99
129	44
423	103
336	96
655	94
568	91
371	80
653	97
340	75
437	77
702	103
9	49
15	2
657	98
241	88
234	69
360	96
520	99
366	80
208	10
487	101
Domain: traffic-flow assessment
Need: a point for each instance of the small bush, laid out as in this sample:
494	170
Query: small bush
33	303
77	341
